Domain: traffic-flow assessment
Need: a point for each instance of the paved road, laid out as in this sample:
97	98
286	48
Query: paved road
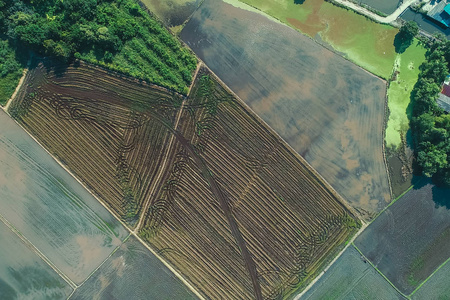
389	19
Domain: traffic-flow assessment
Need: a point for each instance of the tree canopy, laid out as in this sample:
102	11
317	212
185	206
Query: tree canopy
117	34
430	124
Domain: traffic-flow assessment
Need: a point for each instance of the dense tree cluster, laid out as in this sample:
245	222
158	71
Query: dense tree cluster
405	36
430	124
115	33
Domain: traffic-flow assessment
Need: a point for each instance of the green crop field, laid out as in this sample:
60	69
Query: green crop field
407	65
366	43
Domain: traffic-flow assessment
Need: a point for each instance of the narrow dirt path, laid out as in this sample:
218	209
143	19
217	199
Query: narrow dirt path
162	168
130	230
246	255
164	161
8	103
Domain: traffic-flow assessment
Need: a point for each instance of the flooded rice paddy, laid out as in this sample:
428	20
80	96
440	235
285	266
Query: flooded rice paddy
351	278
411	239
133	273
50	208
329	110
23	274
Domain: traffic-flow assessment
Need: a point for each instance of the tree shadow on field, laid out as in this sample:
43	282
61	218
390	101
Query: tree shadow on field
441	197
401	44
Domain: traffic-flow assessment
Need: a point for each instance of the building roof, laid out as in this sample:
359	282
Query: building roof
441	13
446	90
444	102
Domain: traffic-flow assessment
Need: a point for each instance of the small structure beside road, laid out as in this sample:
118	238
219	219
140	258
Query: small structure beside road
441	13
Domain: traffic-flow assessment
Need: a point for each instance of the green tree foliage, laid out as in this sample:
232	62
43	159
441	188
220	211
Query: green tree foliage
405	36
430	124
116	34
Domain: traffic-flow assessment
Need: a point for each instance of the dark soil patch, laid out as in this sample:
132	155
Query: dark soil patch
411	238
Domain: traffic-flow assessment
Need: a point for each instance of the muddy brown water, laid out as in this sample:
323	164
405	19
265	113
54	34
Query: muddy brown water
329	110
50	208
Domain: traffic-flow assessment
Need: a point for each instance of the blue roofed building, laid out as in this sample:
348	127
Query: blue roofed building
441	13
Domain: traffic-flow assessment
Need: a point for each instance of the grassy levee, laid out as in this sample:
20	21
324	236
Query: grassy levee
11	69
366	43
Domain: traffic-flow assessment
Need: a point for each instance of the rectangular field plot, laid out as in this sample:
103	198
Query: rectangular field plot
50	208
214	191
436	287
351	278
237	211
409	240
23	274
327	109
133	273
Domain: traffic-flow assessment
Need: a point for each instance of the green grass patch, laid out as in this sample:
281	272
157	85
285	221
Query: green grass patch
11	70
407	66
366	43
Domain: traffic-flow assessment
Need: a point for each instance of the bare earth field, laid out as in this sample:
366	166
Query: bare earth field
23	274
214	191
133	273
329	110
53	211
351	278
411	238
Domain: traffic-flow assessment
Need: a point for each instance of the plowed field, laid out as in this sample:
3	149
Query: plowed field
220	196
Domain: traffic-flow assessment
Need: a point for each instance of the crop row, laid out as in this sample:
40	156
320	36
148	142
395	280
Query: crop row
289	218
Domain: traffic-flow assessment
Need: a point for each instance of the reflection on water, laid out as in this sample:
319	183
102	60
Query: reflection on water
386	6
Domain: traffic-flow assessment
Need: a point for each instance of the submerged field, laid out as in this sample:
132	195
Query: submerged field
409	240
351	278
327	109
53	211
368	44
23	274
132	272
201	179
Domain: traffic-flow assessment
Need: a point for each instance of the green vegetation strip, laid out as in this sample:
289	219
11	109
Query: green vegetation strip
117	34
405	74
379	271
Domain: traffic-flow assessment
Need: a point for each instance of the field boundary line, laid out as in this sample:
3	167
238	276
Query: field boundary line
303	161
159	257
396	199
104	261
322	43
162	169
385	278
426	279
41	255
350	242
19	85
